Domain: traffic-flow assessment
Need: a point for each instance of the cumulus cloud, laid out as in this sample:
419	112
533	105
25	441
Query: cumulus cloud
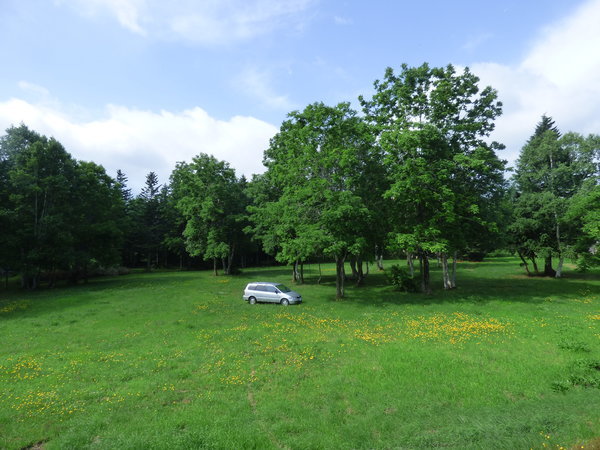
138	142
558	76
207	22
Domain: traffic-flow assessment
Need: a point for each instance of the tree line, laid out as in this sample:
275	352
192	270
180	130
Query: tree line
412	173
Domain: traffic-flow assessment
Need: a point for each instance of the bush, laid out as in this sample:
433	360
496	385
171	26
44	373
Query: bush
402	280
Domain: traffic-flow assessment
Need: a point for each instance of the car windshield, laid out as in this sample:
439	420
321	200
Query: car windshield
283	288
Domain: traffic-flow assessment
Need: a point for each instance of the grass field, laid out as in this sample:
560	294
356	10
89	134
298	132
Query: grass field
178	360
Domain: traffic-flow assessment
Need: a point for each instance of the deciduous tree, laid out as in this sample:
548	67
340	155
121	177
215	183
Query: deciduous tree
432	124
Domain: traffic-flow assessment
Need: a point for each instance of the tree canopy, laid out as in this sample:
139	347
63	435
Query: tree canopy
414	174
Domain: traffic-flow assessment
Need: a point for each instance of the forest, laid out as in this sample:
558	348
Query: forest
411	174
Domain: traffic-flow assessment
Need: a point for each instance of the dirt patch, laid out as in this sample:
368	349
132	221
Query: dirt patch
36	446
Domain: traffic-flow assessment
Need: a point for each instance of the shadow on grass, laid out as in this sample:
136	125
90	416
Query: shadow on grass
500	279
477	283
64	296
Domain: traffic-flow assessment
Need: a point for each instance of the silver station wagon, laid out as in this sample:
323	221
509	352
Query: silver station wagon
268	292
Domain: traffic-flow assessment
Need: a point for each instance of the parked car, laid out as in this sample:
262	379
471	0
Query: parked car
268	292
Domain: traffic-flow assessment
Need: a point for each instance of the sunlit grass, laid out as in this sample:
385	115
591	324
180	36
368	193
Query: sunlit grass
178	360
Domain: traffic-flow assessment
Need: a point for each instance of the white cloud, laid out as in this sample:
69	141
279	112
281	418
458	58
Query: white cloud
138	142
206	22
339	20
257	84
477	41
559	76
33	88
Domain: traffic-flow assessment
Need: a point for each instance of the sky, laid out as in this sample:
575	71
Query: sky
140	85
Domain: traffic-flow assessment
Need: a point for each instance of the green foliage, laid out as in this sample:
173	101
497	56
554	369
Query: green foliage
58	213
401	279
322	188
554	183
211	199
445	180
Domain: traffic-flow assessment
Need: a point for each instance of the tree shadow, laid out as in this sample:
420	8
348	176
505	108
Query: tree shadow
43	300
476	284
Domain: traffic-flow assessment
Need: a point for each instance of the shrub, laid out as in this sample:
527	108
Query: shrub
402	280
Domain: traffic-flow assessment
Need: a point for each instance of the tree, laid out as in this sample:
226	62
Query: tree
122	184
15	141
97	207
62	214
551	169
431	124
210	198
144	211
41	180
584	214
319	165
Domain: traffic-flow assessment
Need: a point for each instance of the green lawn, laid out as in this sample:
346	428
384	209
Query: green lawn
178	360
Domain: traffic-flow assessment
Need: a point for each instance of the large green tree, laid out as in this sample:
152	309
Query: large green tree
96	222
432	125
41	181
323	170
211	199
60	214
550	171
16	140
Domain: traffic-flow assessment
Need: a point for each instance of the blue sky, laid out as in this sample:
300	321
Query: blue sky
141	84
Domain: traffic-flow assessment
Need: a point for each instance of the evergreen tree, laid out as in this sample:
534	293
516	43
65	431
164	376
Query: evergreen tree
551	169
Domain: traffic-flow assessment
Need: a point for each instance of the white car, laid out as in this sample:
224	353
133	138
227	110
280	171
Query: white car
268	292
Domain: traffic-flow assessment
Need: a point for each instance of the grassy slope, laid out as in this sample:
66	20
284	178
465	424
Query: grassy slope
169	360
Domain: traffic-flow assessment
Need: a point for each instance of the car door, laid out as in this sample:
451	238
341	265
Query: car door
271	294
261	293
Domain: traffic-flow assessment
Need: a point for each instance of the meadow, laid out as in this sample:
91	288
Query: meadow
179	360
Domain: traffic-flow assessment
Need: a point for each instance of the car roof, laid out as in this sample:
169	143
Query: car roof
272	283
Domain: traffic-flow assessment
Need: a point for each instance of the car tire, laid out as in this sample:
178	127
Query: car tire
252	301
285	302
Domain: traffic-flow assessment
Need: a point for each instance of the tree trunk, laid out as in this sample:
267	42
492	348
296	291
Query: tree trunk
353	268
215	273
424	264
548	270
380	262
411	264
359	272
295	273
339	277
453	276
443	258
559	267
230	258
524	263
535	266
320	274
301	273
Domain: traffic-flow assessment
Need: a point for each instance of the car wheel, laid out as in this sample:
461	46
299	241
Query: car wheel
285	301
252	301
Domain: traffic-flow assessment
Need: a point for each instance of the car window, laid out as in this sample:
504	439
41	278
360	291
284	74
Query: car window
283	288
251	287
270	289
